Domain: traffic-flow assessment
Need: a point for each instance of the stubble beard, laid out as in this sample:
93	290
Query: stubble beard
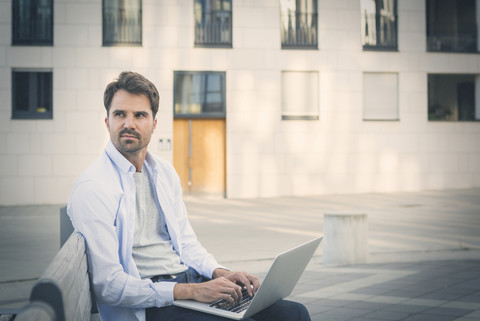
128	145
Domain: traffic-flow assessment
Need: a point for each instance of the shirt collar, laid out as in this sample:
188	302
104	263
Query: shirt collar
124	164
118	159
150	163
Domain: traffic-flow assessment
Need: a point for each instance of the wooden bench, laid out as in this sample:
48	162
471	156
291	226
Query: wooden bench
63	291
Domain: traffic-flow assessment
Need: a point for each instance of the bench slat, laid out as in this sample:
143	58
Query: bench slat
78	301
63	284
37	310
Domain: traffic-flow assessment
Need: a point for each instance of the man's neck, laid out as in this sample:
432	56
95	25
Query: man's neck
136	158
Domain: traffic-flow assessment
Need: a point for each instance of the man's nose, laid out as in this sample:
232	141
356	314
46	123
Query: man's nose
129	122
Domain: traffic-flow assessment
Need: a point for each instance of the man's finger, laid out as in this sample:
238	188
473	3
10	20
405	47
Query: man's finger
233	290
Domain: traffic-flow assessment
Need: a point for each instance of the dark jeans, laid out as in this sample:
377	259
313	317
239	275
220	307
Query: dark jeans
282	310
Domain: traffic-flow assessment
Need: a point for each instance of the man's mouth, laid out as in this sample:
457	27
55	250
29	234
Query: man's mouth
126	134
129	136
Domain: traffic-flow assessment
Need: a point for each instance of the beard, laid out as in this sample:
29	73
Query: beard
130	145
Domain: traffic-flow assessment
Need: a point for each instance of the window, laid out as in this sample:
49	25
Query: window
453	97
213	23
298	23
32	22
31	94
379	24
199	94
452	26
300	95
122	22
380	96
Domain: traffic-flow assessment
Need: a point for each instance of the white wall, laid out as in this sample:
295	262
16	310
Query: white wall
339	153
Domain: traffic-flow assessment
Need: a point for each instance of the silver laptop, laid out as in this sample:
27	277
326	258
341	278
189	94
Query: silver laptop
278	284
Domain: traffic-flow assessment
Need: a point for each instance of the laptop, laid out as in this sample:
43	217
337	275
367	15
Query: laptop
279	282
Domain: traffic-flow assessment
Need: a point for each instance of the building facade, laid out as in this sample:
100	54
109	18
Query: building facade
258	98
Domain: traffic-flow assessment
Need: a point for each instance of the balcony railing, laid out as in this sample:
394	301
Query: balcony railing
466	42
381	32
214	29
122	27
32	24
299	30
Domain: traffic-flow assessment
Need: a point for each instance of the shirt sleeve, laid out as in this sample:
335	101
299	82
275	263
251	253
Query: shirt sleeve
94	214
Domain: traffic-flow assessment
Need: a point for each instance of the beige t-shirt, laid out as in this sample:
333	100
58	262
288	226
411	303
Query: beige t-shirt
152	247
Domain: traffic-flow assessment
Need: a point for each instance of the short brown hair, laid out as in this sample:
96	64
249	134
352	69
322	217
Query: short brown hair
133	83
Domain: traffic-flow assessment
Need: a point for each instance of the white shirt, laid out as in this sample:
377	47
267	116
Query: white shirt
102	208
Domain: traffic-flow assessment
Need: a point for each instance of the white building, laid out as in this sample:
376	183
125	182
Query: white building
276	97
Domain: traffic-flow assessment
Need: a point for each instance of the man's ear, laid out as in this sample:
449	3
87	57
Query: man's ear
155	123
106	122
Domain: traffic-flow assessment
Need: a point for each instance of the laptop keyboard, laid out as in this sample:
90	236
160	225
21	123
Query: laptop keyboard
237	307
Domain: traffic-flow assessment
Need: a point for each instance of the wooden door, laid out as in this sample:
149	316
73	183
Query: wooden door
199	155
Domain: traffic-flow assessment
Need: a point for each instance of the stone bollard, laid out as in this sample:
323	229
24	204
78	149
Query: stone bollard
345	238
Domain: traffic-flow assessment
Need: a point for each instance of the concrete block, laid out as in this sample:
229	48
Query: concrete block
250	18
5	35
345	238
242	186
3	142
243	163
71	35
90	100
264	38
3	52
84	13
5	12
413	5
71	165
76	78
23	57
16	191
18	143
95	35
5	122
89	143
56	144
53	190
412	41
9	165
35	165
85	121
269	185
91	57
413	81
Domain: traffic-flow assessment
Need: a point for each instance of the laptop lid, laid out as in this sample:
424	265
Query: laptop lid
283	275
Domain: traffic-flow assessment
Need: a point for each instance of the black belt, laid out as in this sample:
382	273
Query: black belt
165	277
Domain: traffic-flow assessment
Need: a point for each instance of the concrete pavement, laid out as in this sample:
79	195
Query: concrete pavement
424	251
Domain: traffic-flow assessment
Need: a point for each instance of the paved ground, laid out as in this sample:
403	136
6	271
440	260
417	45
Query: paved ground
424	260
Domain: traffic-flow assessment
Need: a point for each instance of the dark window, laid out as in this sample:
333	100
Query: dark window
452	26
122	22
298	24
452	98
32	22
199	94
213	23
379	24
31	94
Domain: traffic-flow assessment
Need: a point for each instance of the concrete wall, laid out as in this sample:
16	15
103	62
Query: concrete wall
266	156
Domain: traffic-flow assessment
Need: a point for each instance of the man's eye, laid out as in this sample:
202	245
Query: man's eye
119	114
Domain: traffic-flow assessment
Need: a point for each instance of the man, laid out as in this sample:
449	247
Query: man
142	251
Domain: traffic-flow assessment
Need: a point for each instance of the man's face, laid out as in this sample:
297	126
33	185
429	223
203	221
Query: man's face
130	122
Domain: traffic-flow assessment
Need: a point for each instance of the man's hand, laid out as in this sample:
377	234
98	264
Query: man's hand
219	288
250	282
